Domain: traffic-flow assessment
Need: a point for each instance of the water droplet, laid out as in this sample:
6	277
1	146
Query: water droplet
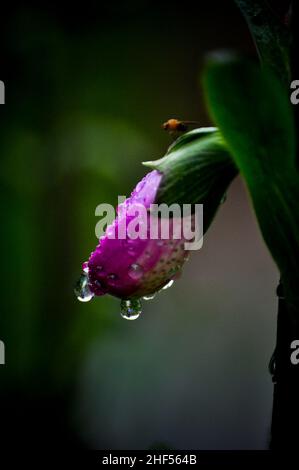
135	271
149	297
82	290
169	284
112	278
130	309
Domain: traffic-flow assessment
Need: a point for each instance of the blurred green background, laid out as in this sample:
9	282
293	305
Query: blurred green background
87	89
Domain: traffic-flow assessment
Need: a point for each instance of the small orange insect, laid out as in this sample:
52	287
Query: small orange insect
174	125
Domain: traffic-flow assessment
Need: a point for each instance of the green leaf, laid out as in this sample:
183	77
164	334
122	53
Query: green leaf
197	169
272	38
253	112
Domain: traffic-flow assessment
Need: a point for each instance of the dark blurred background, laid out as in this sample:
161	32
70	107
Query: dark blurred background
87	88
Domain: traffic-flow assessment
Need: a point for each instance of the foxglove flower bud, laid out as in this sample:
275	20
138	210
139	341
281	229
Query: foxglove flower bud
131	268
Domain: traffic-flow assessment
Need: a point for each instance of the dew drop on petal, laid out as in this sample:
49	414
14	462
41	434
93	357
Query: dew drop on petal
82	290
169	284
130	309
112	278
135	271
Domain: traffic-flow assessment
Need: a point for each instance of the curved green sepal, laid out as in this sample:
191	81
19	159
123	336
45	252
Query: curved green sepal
197	169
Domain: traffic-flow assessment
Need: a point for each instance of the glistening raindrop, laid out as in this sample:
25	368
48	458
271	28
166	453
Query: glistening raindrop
130	309
135	271
82	290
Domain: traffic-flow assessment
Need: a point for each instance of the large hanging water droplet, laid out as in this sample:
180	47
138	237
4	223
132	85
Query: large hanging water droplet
135	271
149	297
169	284
130	309
82	290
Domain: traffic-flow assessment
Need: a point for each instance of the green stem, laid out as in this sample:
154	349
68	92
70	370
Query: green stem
285	415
